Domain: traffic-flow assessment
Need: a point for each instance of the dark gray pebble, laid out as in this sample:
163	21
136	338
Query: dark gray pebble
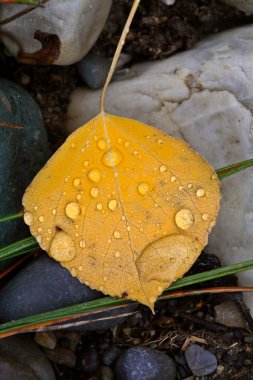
139	363
44	285
61	356
88	361
106	373
23	349
201	362
23	151
11	369
93	70
110	354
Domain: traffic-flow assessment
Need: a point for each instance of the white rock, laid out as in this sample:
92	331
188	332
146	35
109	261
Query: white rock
204	96
77	23
243	5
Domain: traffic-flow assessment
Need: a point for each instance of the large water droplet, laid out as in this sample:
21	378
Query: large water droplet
62	247
112	157
94	175
73	210
200	193
184	219
28	218
143	188
112	204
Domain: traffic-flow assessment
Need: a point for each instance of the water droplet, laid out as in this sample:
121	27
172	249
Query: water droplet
163	168
49	231
143	188
128	228
94	175
95	138
94	191
62	247
54	211
112	157
160	141
99	206
189	186
77	182
73	210
78	197
119	140
28	218
73	145
35	208
109	241
160	289
117	254
181	188
105	278
205	216
201	193
80	268
39	229
85	164
82	244
41	219
127	144
135	152
116	234
112	204
214	176
173	178
101	144
184	219
39	239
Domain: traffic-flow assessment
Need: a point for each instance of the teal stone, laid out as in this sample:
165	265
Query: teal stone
24	150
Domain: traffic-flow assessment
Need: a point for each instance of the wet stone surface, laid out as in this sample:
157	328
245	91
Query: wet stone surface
202	362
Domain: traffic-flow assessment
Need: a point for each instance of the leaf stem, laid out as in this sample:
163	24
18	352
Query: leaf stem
117	53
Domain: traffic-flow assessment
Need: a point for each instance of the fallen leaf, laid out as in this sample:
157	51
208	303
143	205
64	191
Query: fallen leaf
125	208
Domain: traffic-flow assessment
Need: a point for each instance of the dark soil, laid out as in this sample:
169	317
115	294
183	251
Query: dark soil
157	32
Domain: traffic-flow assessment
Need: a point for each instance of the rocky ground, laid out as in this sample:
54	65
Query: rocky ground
207	337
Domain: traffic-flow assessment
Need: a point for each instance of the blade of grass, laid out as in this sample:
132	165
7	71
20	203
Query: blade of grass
108	303
27	2
6	218
229	170
21	247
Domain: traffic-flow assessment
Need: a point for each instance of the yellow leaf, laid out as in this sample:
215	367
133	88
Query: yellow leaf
125	208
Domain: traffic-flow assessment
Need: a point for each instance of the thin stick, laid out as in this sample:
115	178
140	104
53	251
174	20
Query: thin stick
117	53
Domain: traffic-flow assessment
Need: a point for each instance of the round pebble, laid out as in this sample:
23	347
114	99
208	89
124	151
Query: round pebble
88	361
110	354
201	362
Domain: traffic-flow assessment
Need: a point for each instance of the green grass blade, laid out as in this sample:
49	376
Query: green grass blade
106	303
19	248
229	170
6	218
27	2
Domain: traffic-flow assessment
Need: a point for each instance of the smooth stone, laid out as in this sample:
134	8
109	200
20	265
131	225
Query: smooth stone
44	285
88	361
228	314
93	70
200	361
23	151
22	349
61	356
141	363
11	369
204	96
74	26
242	5
106	373
110	354
46	339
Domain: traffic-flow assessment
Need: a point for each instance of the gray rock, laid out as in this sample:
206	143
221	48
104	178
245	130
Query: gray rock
200	361
23	151
228	314
26	352
242	5
140	363
74	26
11	369
93	70
45	285
110	354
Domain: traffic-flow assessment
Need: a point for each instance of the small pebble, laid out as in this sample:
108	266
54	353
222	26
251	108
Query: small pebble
248	339
11	369
88	361
46	339
93	70
140	363
110	354
61	356
106	373
228	314
201	362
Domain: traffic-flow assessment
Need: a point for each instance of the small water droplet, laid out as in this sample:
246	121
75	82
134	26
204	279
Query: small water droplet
160	141
214	176
82	244
135	152
143	188
101	144
112	157
41	219
73	210
116	234
173	178
54	211
205	217
49	231
128	228
189	186
62	247
85	164
184	219
39	229
77	182
35	208
39	239
117	254
80	268
112	204
163	168
95	138
99	206
123	217
181	188
119	140
94	192
127	144
105	278
73	145
94	175
28	218
78	197
160	289
201	193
